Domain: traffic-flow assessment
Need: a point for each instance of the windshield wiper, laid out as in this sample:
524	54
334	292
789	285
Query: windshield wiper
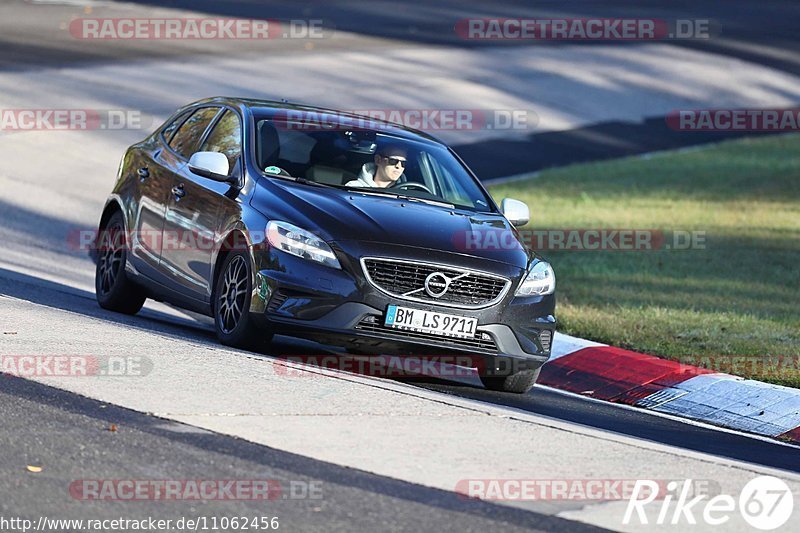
392	194
426	200
304	181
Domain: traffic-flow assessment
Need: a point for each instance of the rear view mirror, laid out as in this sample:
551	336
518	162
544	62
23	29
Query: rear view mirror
211	165
515	211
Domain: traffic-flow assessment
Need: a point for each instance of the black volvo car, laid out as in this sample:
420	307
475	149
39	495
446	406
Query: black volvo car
275	218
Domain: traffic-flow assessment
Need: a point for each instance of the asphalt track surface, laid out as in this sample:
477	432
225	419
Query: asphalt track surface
69	434
541	400
764	32
66	432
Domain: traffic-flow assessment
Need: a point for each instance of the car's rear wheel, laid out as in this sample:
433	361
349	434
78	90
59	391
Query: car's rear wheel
232	293
518	383
113	289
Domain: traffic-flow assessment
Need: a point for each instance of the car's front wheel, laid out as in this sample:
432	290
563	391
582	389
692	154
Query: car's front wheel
231	305
519	382
113	289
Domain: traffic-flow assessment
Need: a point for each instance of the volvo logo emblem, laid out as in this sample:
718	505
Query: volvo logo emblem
436	284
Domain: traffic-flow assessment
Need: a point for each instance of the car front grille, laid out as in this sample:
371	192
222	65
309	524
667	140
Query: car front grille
406	279
481	341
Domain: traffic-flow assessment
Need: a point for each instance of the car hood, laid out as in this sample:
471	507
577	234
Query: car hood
340	215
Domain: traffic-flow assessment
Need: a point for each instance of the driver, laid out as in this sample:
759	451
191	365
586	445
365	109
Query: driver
390	161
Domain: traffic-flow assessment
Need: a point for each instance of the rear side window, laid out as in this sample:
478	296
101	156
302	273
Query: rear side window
172	126
226	138
187	138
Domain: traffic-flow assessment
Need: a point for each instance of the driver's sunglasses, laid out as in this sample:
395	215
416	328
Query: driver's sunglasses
393	161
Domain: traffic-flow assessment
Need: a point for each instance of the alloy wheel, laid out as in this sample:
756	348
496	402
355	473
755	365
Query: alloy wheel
232	295
112	251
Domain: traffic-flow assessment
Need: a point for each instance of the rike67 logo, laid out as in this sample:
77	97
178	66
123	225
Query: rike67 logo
765	503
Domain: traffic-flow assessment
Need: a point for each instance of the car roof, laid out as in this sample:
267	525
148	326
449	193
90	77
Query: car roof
271	108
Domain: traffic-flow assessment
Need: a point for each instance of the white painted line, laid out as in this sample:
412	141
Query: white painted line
734	402
566	344
676	418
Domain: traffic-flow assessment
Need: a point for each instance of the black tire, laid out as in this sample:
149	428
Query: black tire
233	291
112	288
518	383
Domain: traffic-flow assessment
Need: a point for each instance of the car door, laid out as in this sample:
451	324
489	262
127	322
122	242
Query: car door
197	208
151	163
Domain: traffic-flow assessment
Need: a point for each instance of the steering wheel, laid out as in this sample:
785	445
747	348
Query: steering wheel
409	184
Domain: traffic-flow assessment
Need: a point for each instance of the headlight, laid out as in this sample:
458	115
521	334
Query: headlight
540	280
299	242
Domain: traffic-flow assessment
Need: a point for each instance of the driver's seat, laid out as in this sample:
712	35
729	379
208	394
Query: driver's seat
327	162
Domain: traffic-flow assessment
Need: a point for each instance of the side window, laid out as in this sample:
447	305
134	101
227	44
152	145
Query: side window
172	126
188	135
226	137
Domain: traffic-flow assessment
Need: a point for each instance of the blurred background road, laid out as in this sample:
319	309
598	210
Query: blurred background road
594	100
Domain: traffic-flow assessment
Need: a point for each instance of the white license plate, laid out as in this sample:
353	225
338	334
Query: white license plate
430	322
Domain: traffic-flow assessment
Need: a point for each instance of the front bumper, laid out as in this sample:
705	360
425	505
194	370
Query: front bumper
296	297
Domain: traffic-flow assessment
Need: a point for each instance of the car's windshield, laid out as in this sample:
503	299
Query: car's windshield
370	160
